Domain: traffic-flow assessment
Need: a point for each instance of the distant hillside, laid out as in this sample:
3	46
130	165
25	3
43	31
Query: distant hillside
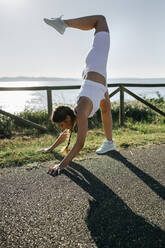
15	79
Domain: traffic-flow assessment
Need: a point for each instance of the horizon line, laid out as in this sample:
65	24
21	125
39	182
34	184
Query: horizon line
42	78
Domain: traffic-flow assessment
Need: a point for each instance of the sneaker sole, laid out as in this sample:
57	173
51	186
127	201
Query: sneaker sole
100	153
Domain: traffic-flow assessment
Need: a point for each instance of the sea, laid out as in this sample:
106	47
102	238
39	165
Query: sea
18	101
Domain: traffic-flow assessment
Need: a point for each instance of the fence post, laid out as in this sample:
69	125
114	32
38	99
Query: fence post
49	103
121	111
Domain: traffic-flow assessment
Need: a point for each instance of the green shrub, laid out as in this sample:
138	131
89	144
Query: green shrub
39	117
6	126
134	112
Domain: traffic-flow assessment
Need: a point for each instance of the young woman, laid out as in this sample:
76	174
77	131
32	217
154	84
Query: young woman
93	93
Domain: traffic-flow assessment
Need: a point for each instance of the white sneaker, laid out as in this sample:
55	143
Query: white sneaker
57	23
108	145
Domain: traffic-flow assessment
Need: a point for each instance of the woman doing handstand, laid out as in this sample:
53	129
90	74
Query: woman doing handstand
93	93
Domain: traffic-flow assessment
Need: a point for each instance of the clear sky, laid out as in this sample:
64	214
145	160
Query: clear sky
28	47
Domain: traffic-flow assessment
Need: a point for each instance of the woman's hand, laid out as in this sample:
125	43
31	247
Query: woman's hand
55	170
44	150
63	136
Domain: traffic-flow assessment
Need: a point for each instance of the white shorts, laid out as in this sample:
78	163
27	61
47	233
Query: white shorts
95	92
97	57
96	61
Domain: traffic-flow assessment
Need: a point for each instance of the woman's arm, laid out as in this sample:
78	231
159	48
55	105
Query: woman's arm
83	110
82	123
62	137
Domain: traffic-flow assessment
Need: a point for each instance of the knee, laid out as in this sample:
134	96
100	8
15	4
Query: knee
101	24
101	19
105	106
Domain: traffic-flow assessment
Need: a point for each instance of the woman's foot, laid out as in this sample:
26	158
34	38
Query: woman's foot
107	146
56	23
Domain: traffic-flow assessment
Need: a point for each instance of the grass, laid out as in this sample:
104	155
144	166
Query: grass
19	145
21	150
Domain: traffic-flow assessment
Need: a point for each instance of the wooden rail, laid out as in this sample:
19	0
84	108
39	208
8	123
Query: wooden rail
121	88
23	121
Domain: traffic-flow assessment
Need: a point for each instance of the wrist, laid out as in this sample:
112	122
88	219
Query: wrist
61	166
50	148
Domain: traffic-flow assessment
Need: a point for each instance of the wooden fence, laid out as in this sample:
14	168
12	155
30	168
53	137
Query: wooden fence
122	88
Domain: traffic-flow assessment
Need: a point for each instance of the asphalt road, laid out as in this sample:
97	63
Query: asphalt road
114	200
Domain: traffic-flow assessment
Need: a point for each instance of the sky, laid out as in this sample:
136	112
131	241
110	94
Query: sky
29	47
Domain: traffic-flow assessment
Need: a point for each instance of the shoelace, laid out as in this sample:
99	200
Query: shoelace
57	18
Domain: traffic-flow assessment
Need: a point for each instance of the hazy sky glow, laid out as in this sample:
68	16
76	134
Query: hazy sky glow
28	47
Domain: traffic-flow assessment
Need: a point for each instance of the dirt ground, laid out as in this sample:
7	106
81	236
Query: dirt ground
114	200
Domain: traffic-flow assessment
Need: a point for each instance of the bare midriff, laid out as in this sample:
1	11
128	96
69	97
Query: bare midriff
96	77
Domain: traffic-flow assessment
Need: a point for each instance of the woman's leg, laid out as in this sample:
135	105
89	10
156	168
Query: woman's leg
84	23
105	107
106	116
99	23
89	22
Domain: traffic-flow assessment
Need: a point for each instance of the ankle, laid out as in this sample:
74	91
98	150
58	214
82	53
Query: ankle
65	23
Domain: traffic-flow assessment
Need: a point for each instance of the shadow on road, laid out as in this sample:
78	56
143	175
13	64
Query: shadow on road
110	221
148	180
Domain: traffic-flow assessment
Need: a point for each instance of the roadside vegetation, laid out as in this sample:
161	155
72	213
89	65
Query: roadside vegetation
19	144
